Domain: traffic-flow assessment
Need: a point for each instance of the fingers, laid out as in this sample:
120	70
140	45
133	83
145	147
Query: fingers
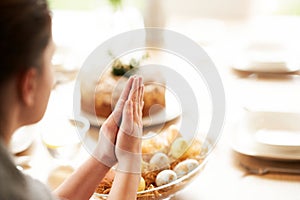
136	95
141	101
129	135
117	113
139	105
132	95
135	98
127	118
128	125
126	90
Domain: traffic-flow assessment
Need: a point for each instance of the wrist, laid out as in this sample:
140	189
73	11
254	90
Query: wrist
104	160
129	162
105	152
97	167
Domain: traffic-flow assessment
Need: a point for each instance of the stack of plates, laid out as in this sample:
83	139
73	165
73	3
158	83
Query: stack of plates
272	135
264	57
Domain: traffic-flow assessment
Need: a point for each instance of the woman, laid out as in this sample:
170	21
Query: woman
26	79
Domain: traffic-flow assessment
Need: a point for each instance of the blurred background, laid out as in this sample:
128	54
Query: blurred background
239	35
198	8
82	25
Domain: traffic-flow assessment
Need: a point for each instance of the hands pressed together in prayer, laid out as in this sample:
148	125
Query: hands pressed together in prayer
120	135
119	142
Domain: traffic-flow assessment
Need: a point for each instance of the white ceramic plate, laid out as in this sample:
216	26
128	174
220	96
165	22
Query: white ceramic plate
22	139
170	112
265	67
267	58
273	135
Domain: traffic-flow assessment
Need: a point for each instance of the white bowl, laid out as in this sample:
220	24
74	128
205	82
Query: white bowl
169	190
268	134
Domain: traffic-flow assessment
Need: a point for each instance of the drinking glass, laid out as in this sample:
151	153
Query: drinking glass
62	137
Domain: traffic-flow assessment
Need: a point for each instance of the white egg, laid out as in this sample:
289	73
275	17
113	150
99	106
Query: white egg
178	147
160	160
142	185
185	167
165	177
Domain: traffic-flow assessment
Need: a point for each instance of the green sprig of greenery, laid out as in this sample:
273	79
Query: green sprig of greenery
121	69
116	3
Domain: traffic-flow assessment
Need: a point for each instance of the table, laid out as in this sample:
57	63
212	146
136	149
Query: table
223	177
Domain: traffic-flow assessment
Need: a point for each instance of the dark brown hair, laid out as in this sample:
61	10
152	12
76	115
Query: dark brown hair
25	31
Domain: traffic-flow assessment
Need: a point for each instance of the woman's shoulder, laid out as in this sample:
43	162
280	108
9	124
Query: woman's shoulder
16	185
38	190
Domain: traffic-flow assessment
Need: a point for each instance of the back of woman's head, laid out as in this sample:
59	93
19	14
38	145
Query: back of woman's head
25	31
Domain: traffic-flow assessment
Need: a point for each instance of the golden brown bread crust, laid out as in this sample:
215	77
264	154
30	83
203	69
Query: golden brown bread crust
154	95
106	95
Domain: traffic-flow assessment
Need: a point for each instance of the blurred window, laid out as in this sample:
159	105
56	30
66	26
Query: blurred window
85	5
287	7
